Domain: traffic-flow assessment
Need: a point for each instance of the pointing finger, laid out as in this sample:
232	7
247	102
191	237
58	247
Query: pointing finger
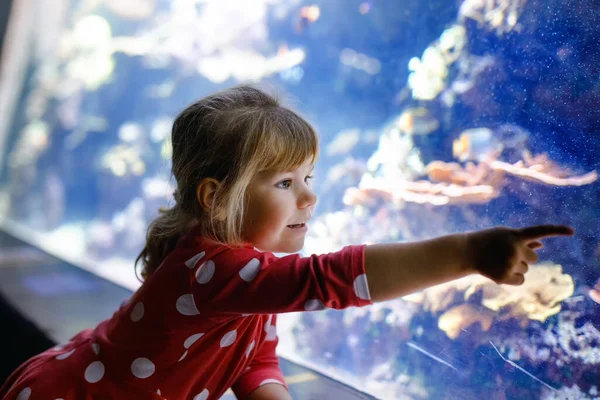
540	231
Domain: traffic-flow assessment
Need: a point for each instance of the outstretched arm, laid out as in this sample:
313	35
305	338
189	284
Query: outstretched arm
397	269
501	254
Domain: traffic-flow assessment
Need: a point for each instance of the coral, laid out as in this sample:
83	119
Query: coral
463	316
421	192
498	15
563	353
568	393
396	157
537	299
471	184
541	169
579	342
428	74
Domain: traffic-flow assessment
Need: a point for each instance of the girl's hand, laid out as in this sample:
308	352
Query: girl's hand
504	254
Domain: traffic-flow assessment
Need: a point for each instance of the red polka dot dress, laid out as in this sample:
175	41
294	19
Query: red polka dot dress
204	322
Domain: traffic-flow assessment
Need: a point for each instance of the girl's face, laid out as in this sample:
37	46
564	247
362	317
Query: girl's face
278	209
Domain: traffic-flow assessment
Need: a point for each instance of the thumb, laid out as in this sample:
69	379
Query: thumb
514	279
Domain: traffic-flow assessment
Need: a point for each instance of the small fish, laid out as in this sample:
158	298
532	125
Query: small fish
366	6
594	292
307	16
480	144
417	121
594	295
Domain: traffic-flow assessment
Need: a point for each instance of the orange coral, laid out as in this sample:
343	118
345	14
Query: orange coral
463	316
538	298
472	183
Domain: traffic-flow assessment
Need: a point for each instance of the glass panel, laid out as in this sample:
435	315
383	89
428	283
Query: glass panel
435	117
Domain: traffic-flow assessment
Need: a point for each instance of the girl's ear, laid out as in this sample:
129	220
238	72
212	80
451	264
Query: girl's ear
205	195
205	192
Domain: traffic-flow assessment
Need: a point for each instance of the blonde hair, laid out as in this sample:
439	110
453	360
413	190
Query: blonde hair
230	136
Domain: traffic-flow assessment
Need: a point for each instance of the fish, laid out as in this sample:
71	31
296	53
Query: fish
366	6
307	16
594	292
417	121
594	295
481	144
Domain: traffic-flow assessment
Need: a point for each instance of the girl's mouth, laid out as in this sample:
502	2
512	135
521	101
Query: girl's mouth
296	226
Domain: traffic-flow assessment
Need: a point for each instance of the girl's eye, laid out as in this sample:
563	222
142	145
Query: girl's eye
284	184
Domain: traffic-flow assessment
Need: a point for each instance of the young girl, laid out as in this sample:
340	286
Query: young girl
204	319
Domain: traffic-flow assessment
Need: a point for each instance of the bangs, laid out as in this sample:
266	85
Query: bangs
288	141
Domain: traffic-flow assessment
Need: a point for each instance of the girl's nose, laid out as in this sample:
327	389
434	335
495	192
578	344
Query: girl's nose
307	199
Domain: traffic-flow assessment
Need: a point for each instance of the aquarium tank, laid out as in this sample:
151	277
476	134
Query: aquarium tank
434	117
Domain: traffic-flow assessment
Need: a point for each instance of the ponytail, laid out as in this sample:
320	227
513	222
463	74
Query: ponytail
161	239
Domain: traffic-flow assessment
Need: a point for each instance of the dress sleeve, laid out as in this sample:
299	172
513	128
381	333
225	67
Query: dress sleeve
264	368
246	280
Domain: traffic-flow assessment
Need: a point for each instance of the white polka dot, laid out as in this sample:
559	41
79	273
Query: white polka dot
24	394
158	392
272	333
191	263
249	272
191	340
268	323
65	355
228	338
182	356
59	399
58	347
186	306
202	396
269	381
96	348
314	305
205	273
142	368
361	288
138	312
94	372
250	347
